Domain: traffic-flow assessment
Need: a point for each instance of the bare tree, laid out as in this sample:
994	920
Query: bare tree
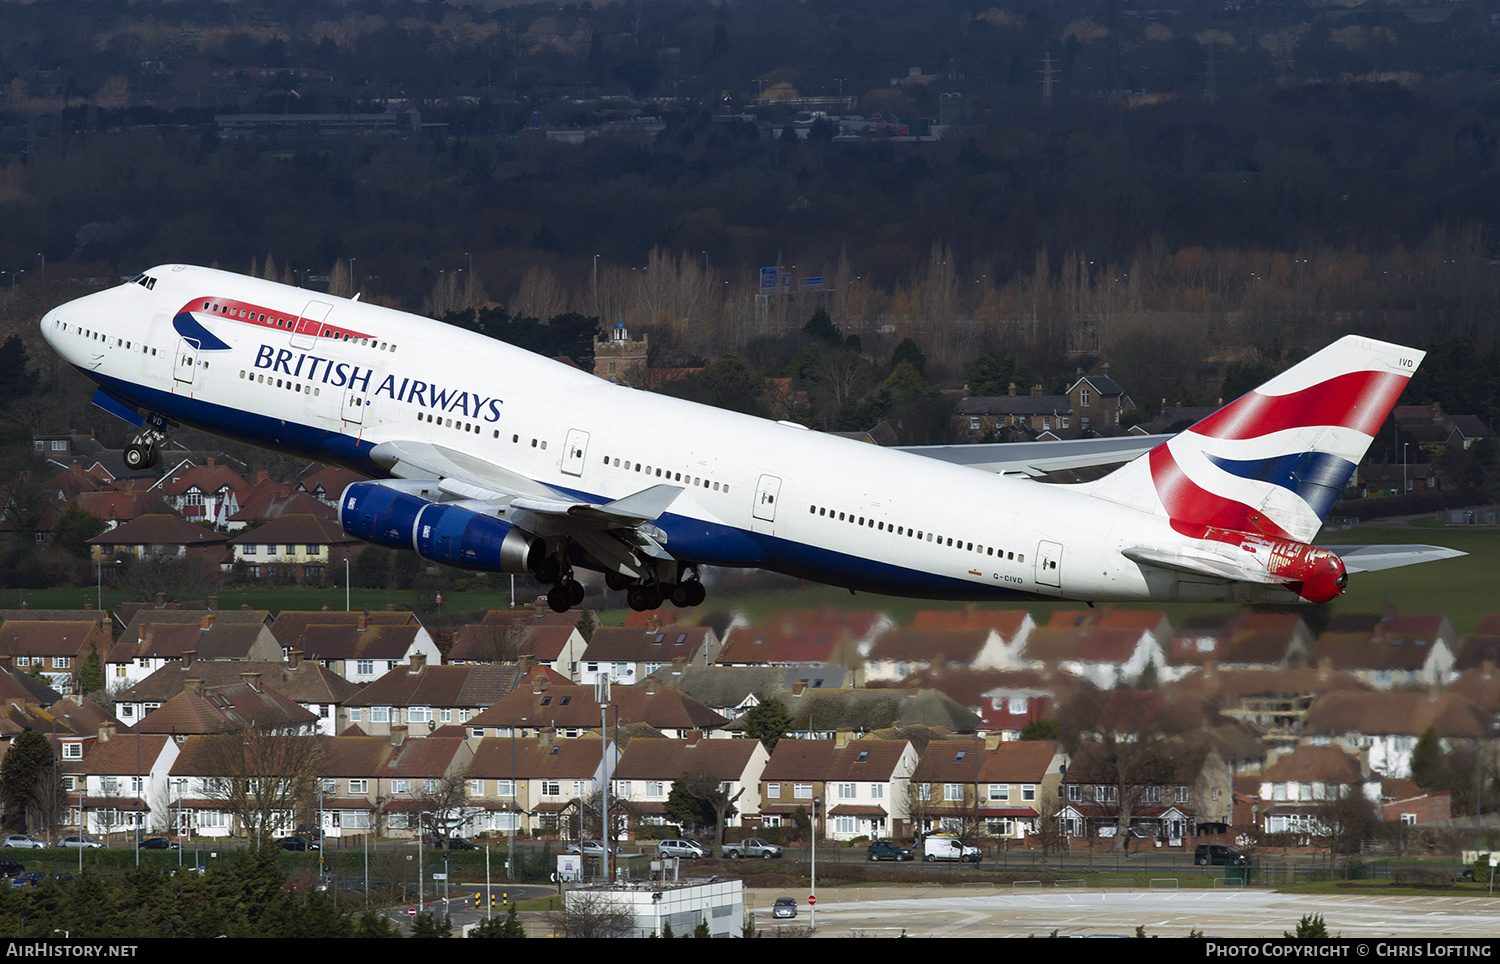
263	775
444	804
588	913
1049	808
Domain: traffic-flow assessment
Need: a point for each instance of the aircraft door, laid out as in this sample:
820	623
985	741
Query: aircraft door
575	450
1048	557
187	360
765	497
309	323
354	404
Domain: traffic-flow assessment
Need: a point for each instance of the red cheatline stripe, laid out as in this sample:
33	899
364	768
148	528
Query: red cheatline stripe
1189	503
1358	400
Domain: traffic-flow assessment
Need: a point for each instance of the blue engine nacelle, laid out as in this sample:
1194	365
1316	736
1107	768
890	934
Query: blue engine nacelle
394	515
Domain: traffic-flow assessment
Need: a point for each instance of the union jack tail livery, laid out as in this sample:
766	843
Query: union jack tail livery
1260	475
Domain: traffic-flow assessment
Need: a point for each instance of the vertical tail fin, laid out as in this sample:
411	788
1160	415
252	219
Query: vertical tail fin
1272	461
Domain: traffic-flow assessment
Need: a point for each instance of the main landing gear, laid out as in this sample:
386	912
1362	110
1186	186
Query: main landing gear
641	594
143	450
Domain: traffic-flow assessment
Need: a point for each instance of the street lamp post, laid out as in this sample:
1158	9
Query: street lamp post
346	583
812	922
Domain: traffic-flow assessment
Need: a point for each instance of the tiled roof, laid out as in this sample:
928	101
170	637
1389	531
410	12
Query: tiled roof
620	644
465	686
959	760
811	760
291	624
500	758
38	638
158	530
1402	713
225	709
646	759
309	682
1327	764
295	530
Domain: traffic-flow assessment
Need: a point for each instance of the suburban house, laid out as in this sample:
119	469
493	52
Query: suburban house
856	788
1170	790
505	636
422	698
800	638
361	647
160	536
1388	650
629	655
1299	784
227	708
1384	726
573	711
988	787
310	685
203	493
531	784
155	639
649	767
123	782
1244	639
897	653
387	782
55	649
300	549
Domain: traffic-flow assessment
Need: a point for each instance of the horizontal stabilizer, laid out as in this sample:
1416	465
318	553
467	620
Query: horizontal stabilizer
1196	565
1376	558
1037	459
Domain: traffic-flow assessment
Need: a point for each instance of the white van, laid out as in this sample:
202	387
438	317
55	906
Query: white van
947	846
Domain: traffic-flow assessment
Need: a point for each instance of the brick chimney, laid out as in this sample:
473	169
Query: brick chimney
691	737
418	663
991	741
194	686
188	655
523	665
798	687
679	663
364	622
539	685
213	602
252	680
650	686
161	600
545	735
206	622
88	604
398	734
106	730
842	738
293	659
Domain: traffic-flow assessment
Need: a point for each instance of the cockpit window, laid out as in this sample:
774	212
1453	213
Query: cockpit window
144	280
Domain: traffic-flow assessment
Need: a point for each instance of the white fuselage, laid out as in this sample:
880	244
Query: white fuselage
755	492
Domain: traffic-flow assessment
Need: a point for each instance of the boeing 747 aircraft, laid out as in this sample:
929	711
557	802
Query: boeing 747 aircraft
493	458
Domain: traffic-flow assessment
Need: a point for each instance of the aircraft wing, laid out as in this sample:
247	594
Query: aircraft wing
1037	459
608	531
1376	558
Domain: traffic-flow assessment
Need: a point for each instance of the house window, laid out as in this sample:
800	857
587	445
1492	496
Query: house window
877	791
1151	795
249	548
845	824
359	786
61	662
999	791
802	791
419	714
1075	793
773	791
1104	794
505	788
356	715
72	751
953	791
476	788
656	788
364	667
401	786
846	791
551	788
1181	794
380	714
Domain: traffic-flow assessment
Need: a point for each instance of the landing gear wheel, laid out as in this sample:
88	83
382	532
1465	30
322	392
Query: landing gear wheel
643	598
616	581
559	600
576	591
681	595
696	593
139	456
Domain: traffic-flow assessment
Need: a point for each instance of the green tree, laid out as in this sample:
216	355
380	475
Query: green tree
27	761
91	674
768	722
428	926
821	327
1427	759
509	926
1310	927
993	372
1042	730
74	528
16	378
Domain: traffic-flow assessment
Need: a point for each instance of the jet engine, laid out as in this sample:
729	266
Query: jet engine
399	516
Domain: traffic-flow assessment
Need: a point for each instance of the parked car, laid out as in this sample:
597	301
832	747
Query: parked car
25	841
889	850
10	868
74	840
784	907
752	847
946	846
680	848
29	879
295	842
159	843
461	843
589	848
1218	855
